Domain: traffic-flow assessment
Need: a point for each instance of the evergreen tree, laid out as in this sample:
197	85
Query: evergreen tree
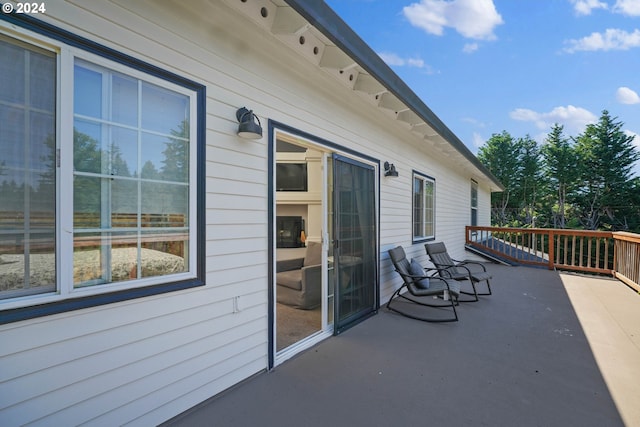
528	178
47	178
634	206
87	157
169	198
559	166
119	166
607	156
568	182
500	156
176	160
149	171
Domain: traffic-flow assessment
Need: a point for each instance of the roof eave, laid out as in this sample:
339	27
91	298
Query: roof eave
323	18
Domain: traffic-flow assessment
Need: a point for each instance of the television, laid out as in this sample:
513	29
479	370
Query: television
291	176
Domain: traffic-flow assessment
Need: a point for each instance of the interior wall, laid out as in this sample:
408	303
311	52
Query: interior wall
307	204
292	210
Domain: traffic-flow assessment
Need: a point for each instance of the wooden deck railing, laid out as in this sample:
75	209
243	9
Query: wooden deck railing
612	253
627	258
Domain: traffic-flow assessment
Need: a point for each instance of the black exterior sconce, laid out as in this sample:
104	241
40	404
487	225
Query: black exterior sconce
250	127
390	169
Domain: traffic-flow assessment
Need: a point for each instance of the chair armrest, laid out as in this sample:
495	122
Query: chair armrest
427	273
451	286
466	262
311	274
440	271
445	281
289	264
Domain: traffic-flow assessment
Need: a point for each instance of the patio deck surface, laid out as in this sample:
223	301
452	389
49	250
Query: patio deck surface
547	349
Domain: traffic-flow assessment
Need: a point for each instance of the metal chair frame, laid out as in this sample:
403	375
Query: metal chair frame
437	289
459	270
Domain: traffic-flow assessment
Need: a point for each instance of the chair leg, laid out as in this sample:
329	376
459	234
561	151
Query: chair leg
474	293
488	289
451	304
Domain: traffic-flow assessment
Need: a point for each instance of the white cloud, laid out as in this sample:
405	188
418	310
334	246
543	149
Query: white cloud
525	115
574	119
636	138
624	7
612	39
478	141
474	19
394	59
474	122
584	7
415	62
627	7
470	47
541	137
624	95
391	59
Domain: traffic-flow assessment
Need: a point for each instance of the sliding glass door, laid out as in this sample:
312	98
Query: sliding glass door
353	259
325	236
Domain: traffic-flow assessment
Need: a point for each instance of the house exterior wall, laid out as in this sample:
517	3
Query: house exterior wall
143	361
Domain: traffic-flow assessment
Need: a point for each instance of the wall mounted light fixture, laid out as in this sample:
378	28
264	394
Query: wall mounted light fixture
250	127
390	169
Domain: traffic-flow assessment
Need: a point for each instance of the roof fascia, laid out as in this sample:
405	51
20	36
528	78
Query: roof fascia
321	16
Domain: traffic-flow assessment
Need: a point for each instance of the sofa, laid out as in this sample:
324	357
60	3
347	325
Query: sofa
299	280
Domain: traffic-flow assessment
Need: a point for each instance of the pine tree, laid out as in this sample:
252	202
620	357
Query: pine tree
528	177
500	155
175	165
559	165
606	156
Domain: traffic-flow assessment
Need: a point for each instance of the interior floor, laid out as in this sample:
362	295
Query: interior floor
294	324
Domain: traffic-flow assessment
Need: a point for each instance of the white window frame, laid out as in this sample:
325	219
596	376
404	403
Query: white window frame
66	56
425	180
474	203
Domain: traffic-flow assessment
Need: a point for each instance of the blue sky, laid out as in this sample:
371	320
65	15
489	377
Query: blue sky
484	66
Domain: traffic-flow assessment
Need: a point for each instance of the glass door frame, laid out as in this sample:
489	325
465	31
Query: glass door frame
326	329
329	149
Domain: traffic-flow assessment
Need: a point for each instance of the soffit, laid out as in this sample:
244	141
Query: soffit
328	49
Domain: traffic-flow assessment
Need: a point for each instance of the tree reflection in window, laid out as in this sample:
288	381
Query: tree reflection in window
109	207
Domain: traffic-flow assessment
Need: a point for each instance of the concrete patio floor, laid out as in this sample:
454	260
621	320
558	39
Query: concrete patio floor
547	349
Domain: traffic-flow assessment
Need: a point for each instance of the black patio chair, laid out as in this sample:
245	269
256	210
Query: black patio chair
419	284
472	271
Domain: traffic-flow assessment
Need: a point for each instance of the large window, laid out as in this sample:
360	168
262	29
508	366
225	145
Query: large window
98	164
130	178
423	207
